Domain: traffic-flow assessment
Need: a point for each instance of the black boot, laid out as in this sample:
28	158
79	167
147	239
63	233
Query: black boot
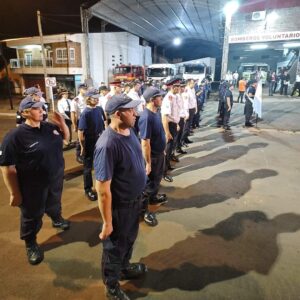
35	254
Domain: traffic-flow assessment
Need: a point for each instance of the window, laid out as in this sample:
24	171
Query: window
61	55
28	59
72	55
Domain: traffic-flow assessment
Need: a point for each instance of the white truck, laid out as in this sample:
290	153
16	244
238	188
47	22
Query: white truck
197	69
160	72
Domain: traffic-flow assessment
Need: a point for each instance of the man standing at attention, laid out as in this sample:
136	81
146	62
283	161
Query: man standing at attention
120	180
153	146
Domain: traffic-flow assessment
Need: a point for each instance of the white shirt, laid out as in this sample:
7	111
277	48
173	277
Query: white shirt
235	75
103	100
170	108
64	105
135	96
183	105
78	105
191	95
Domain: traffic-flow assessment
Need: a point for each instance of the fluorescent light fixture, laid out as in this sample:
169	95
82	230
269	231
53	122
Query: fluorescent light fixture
177	41
273	16
32	47
291	45
258	46
231	7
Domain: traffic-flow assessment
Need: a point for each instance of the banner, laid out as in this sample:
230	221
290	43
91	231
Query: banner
264	37
257	103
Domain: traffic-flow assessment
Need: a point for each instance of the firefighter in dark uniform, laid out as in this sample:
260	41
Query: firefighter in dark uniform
248	110
91	125
228	103
153	140
32	164
120	180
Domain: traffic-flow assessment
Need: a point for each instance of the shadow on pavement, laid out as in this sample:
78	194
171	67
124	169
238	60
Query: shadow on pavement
216	158
246	241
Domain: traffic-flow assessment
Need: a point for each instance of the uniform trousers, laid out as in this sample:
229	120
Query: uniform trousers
179	133
39	196
89	147
248	111
117	248
154	178
226	115
171	143
241	96
188	124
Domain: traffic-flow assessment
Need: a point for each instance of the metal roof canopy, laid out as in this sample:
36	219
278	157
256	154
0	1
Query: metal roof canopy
160	21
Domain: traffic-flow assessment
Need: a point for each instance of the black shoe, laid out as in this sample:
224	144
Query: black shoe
159	199
185	145
174	158
116	293
61	223
226	127
79	159
168	178
34	253
179	150
187	141
150	218
249	125
91	195
133	271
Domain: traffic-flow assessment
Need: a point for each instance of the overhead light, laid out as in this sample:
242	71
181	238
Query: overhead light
273	16
291	45
231	8
33	47
177	41
258	46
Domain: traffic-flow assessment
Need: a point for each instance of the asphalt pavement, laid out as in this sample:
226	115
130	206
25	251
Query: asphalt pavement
230	230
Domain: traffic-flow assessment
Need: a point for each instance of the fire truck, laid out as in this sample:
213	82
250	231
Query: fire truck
128	73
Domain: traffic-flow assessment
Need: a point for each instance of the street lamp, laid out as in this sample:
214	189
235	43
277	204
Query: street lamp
229	9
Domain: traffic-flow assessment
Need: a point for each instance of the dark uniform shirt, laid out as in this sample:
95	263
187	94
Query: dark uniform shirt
91	122
228	94
151	127
252	91
119	158
36	152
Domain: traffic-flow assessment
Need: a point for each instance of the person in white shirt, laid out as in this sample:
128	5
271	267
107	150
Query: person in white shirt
77	107
134	95
170	112
64	108
235	77
184	115
191	100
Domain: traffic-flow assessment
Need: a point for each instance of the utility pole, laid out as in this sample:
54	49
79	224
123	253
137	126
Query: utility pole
85	16
225	47
49	92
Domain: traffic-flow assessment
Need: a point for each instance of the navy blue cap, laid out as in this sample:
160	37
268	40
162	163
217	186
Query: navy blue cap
33	91
28	102
120	101
152	92
93	93
82	86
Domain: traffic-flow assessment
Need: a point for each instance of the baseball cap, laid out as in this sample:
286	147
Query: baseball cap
93	93
28	102
120	101
152	92
82	86
33	91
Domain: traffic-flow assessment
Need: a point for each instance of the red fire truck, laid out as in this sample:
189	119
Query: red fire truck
128	72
